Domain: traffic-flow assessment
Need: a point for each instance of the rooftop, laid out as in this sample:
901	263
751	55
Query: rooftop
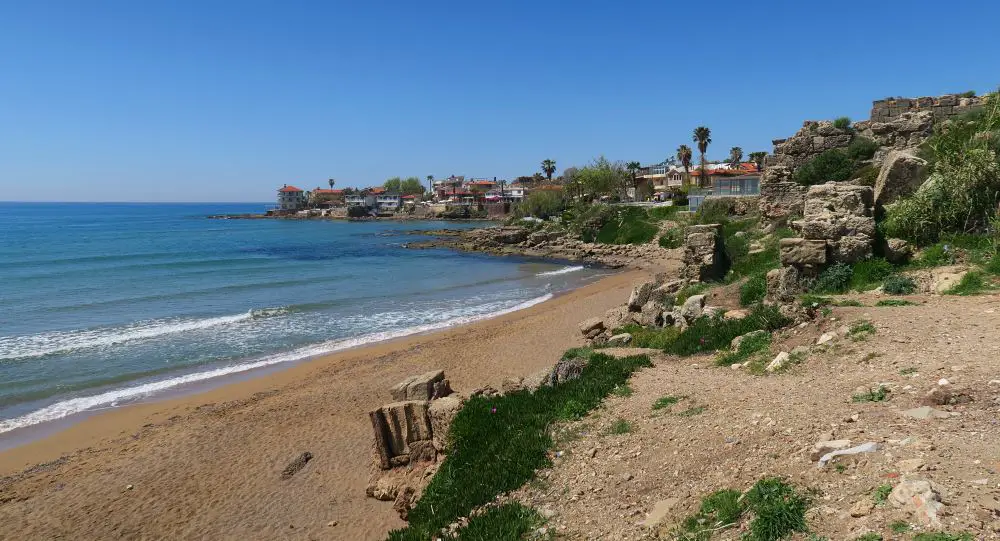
288	189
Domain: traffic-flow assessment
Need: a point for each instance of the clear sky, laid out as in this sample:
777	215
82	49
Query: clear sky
211	100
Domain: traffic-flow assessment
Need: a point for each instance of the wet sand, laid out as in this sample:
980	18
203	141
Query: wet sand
207	466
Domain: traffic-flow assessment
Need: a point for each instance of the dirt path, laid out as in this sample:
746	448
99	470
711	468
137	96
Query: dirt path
732	428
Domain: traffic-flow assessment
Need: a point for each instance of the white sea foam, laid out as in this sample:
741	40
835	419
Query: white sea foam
115	397
564	270
40	345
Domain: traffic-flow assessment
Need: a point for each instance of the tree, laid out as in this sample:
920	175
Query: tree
633	169
735	157
758	158
684	155
603	177
548	167
411	186
331	181
393	185
430	183
703	137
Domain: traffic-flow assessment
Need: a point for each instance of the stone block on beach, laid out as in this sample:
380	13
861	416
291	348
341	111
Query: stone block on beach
426	386
442	412
396	426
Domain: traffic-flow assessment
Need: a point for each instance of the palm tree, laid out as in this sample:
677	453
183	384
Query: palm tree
548	167
684	155
430	183
331	181
758	158
703	137
735	156
633	168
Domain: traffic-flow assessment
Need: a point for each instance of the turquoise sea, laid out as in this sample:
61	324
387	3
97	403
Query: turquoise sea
105	304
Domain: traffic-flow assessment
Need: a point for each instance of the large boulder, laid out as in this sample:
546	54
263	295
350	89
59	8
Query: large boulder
651	314
898	251
592	327
426	386
617	318
783	284
802	252
566	370
901	174
693	308
920	497
640	295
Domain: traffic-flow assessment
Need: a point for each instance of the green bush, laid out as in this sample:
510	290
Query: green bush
673	238
776	511
869	272
866	176
861	149
541	204
499	442
715	333
663	213
842	123
753	290
836	164
749	346
835	279
627	225
357	211
899	285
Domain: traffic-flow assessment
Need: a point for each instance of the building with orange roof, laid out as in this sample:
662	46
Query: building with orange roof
291	199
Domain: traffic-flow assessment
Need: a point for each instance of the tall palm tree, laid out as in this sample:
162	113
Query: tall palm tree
633	168
684	155
549	167
331	181
430	183
735	156
703	137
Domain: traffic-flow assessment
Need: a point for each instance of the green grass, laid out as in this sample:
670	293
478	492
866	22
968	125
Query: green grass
715	333
834	279
942	536
847	302
692	411
907	371
666	401
673	238
628	225
749	346
742	262
499	442
861	330
870	273
754	290
775	509
881	494
973	283
875	394
870	537
624	390
651	337
895	302
507	522
690	291
899	526
621	426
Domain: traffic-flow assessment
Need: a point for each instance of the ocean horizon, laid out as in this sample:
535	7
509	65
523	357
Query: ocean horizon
107	304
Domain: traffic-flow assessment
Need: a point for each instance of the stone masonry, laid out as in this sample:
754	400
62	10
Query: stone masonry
780	197
841	215
941	107
704	253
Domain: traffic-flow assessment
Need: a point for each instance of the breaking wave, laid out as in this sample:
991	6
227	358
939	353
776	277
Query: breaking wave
564	270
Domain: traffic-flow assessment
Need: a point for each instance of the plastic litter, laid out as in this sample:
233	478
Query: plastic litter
869	447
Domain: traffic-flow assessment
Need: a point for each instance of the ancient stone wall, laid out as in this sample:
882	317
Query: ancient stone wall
942	107
813	138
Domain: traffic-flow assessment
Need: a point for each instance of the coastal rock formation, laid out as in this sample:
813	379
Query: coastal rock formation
640	295
592	327
840	214
704	253
901	174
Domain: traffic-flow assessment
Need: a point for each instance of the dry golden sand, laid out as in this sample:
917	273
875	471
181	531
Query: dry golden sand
208	466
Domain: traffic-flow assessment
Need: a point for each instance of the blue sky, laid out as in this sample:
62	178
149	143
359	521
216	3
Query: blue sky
225	101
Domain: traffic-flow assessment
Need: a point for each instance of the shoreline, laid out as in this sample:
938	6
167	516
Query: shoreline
261	422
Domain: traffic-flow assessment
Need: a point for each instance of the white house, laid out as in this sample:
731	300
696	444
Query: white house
360	200
388	202
291	198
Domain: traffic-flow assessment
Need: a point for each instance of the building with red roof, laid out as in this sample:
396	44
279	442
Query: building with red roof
291	199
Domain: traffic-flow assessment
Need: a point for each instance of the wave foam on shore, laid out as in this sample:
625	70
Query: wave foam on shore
564	270
115	397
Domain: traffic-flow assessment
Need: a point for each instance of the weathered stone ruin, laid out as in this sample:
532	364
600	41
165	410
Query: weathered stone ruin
941	107
901	174
841	215
704	253
814	138
781	198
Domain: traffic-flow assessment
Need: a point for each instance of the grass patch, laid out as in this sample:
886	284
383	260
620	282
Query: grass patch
848	302
881	494
715	333
666	401
776	510
628	225
861	330
895	302
751	345
689	291
942	536
868	274
499	442
673	238
621	426
899	526
973	283
692	411
875	394
507	522
870	537
624	390
907	371
834	279
742	262
651	337
753	290
899	285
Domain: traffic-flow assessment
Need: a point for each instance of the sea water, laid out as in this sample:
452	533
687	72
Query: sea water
105	304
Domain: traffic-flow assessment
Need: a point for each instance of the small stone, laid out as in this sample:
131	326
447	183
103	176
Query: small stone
778	363
129	487
926	412
825	337
332	523
862	508
626	477
910	465
659	512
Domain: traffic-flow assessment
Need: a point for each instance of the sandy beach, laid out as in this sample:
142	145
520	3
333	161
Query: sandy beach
208	466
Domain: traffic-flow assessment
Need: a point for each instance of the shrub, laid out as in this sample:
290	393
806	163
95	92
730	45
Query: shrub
715	333
973	283
861	149
541	204
835	279
881	494
749	346
842	123
628	225
673	238
357	211
866	176
867	273
753	290
778	510
899	285
968	94
876	394
830	165
499	442
860	330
